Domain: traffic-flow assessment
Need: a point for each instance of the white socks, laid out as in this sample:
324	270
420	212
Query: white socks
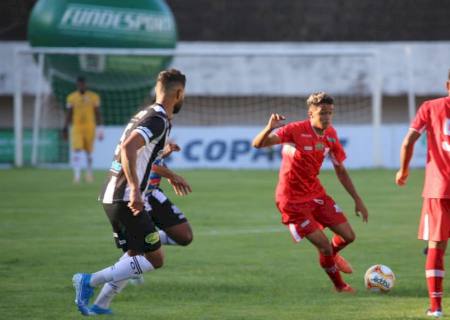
108	292
126	268
165	239
77	161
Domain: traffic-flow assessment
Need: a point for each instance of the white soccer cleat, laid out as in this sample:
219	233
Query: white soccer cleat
436	313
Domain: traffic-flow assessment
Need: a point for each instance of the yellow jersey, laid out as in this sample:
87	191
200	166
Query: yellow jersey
83	108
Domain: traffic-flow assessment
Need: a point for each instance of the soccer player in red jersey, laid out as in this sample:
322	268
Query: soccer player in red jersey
433	117
301	199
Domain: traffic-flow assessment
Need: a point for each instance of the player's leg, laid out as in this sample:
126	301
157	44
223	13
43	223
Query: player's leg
174	227
343	236
434	271
76	141
180	234
89	139
330	215
107	294
435	227
326	258
144	254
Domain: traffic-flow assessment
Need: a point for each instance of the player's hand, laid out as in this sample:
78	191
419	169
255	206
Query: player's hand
180	185
361	210
136	203
275	121
100	134
65	133
401	177
169	148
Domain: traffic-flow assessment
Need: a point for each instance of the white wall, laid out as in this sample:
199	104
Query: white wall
430	62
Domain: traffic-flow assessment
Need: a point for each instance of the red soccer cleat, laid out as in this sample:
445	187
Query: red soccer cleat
345	289
343	264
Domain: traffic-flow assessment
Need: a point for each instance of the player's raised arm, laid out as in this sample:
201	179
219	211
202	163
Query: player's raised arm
406	153
266	138
346	181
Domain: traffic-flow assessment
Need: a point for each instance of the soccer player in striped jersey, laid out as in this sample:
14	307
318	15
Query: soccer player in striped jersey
433	117
123	195
301	199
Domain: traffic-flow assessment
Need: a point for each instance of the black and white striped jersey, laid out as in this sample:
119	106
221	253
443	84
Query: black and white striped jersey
153	125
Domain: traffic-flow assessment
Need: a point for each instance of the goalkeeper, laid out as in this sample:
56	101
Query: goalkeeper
84	117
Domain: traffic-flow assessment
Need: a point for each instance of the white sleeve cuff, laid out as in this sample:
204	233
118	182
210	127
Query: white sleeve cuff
145	133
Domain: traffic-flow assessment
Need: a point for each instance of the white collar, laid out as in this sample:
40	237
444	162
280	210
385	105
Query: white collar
158	108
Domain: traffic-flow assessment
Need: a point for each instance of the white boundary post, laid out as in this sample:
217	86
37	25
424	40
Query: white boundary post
37	110
377	112
18	114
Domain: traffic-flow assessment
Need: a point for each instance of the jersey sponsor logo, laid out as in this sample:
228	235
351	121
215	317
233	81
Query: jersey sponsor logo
152	238
320	146
308	148
101	18
306	135
305	223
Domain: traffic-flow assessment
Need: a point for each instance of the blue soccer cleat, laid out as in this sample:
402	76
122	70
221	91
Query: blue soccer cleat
95	310
83	291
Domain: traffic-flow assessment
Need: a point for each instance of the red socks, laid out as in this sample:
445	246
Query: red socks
434	272
328	264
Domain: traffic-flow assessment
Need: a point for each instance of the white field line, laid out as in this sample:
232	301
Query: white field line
238	231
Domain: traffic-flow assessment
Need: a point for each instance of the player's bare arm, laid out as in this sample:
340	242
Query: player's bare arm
406	153
266	138
67	123
128	155
346	181
179	184
99	122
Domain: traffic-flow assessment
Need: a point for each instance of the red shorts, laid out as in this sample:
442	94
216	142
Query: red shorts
435	220
304	218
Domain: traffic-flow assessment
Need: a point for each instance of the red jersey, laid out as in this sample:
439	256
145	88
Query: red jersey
303	153
434	117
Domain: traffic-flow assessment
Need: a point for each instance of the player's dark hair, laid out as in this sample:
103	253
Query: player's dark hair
449	74
318	98
81	79
171	77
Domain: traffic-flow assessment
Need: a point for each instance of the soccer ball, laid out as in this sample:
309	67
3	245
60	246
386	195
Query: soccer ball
379	278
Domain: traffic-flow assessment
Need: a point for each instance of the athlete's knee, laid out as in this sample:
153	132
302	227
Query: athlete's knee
349	238
186	239
157	264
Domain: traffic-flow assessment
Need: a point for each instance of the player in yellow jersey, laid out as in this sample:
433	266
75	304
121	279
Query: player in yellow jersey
84	118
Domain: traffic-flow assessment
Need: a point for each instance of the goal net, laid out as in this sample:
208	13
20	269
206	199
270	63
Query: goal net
226	88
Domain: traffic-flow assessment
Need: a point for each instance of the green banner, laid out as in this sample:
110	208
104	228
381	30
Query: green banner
51	148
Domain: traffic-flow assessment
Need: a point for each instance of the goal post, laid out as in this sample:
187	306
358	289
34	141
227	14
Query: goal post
226	86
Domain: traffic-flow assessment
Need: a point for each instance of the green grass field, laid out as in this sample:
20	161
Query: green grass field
241	265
